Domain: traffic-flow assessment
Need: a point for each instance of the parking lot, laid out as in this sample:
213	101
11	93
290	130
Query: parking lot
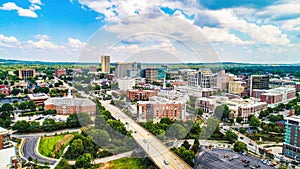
223	159
238	162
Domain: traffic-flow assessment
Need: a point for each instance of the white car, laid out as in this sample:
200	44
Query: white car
166	162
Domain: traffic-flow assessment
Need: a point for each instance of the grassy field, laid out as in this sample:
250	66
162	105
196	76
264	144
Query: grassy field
127	163
52	146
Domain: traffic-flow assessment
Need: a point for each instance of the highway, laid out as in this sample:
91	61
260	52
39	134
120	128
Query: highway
155	149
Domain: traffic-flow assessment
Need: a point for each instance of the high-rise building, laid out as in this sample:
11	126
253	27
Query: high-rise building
126	69
236	87
291	145
258	82
105	64
203	78
151	74
26	73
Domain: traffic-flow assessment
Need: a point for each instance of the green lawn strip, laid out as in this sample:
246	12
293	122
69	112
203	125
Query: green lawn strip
127	163
47	145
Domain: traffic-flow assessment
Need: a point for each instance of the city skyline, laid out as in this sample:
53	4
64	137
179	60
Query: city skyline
245	31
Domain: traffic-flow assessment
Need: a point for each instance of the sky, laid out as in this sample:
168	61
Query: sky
246	31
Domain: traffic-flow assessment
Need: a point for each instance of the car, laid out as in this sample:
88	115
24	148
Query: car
272	165
253	167
134	131
235	156
145	141
126	122
166	162
230	158
244	160
242	138
244	153
250	144
246	165
257	166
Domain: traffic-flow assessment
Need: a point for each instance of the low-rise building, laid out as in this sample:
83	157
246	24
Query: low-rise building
236	87
158	107
38	98
139	94
278	95
60	72
70	105
126	84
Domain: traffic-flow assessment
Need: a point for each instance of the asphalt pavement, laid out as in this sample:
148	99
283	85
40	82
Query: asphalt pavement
29	151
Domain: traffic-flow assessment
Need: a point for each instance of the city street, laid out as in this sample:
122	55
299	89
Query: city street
158	152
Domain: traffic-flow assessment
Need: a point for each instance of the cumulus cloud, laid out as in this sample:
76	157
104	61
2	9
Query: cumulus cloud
11	6
75	43
9	41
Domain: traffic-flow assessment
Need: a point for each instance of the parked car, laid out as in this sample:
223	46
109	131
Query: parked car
166	162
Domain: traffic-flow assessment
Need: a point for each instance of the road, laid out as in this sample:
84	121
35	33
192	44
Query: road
156	150
107	159
28	135
29	151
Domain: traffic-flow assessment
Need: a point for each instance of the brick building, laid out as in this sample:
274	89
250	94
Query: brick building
70	105
139	94
60	72
159	107
38	98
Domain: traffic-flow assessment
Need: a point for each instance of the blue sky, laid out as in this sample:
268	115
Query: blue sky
255	31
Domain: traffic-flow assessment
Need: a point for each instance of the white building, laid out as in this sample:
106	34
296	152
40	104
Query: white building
126	84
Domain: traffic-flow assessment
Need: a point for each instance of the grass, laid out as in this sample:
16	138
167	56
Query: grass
128	163
47	145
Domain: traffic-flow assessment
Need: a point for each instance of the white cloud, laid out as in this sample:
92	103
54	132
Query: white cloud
9	6
265	34
35	2
280	10
291	25
9	41
42	37
217	35
75	43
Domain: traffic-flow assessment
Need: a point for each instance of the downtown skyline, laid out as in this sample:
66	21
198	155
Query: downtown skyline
255	31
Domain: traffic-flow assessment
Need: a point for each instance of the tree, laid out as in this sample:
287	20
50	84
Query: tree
243	130
166	120
101	137
176	131
84	119
23	105
25	91
6	107
72	121
76	148
195	146
239	146
100	122
49	125
63	164
200	111
230	136
35	126
21	126
254	121
15	91
186	145
187	155
31	105
222	112
84	161
239	119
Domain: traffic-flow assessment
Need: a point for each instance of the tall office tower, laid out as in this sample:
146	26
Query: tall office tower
291	145
105	64
258	82
123	69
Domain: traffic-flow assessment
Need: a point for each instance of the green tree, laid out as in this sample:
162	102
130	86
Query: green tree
186	145
6	107
230	136
63	164
239	119
21	126
100	122
84	119
72	121
84	161
242	130
50	125
31	105
35	126
239	146
200	112
101	137
176	131
254	121
76	148
166	120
